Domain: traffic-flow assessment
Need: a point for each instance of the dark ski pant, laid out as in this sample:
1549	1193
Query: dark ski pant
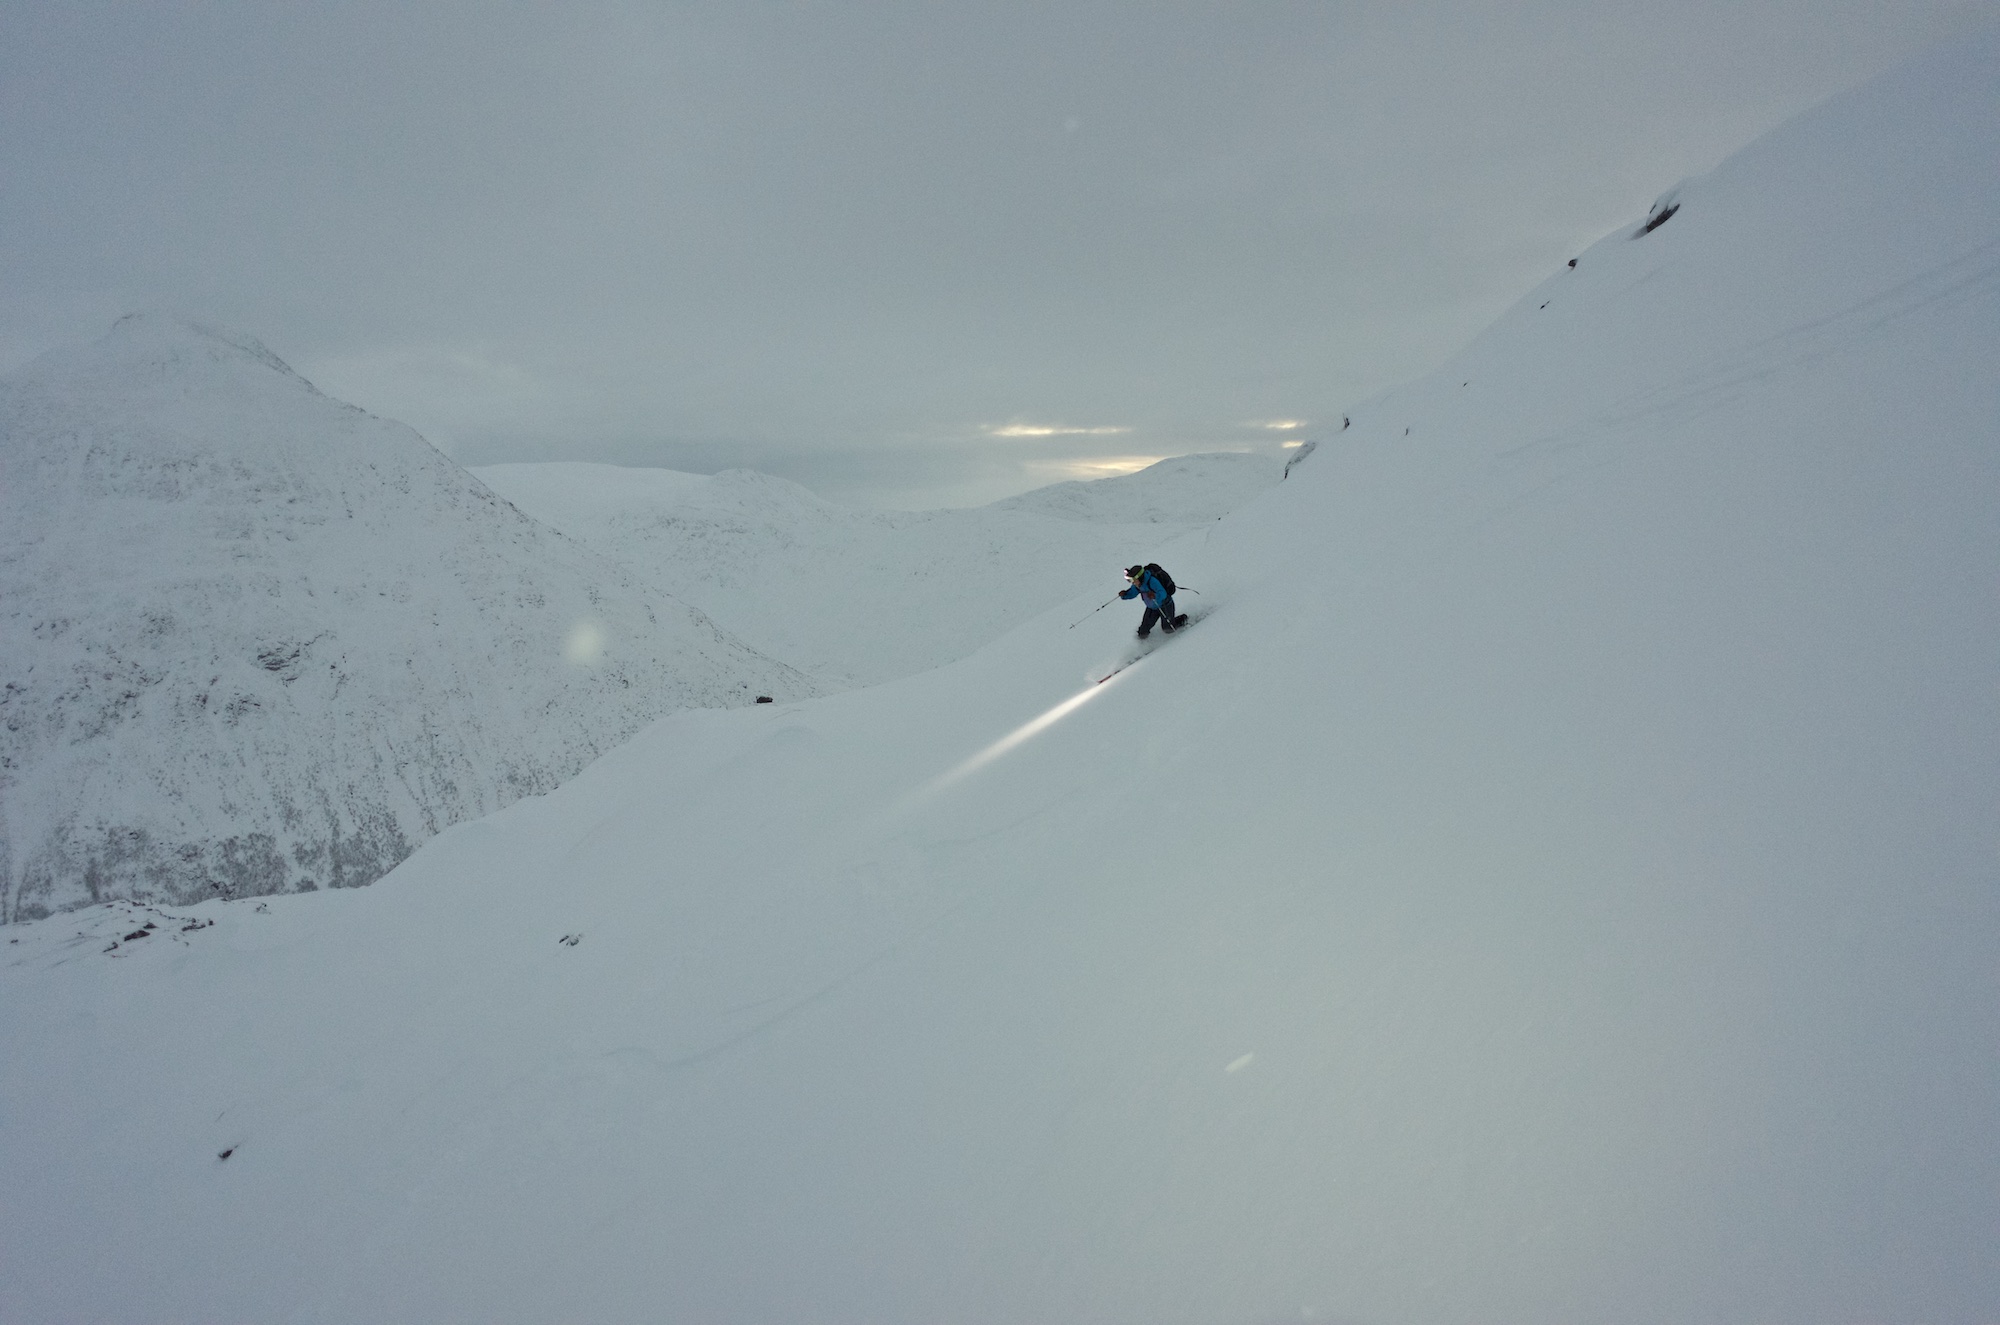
1163	614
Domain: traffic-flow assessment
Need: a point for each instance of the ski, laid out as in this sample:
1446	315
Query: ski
1150	646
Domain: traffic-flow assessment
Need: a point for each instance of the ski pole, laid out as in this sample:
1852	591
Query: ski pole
1093	611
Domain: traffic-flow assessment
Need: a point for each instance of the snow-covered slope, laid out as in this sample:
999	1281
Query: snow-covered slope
255	640
1556	881
861	597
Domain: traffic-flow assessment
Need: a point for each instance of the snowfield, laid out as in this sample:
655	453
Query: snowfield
1557	880
861	597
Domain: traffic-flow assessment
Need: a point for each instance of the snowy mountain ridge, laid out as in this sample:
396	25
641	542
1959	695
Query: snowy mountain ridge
256	640
858	597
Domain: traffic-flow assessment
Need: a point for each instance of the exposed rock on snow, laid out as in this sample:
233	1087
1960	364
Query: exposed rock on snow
255	640
861	597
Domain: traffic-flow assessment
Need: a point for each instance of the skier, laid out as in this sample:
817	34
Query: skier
1156	588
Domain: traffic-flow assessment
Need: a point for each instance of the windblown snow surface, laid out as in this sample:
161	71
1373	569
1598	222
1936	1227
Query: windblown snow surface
861	597
255	640
1556	881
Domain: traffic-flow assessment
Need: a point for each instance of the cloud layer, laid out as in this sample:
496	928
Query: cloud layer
860	244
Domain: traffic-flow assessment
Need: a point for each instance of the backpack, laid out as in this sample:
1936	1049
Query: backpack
1166	580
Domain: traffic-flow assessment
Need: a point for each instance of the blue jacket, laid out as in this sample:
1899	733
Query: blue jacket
1148	587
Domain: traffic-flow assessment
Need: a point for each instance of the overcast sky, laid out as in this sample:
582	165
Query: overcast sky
908	254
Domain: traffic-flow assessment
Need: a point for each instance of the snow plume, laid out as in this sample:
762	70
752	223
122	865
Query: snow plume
1013	740
1555	882
259	641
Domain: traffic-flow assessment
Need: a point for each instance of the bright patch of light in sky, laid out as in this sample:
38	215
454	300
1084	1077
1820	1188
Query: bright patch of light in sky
1051	430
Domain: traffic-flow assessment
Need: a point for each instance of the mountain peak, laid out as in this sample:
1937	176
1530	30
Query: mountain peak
156	342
